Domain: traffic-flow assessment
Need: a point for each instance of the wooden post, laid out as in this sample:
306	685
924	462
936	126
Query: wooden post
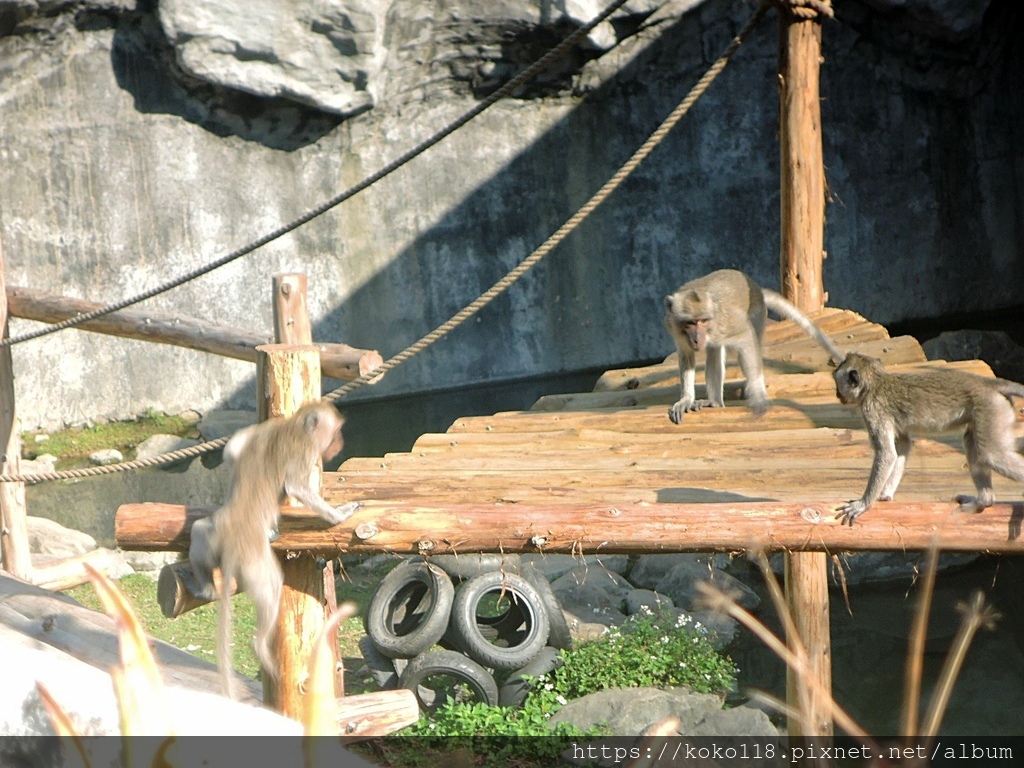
287	377
802	166
803	227
14	552
291	309
293	326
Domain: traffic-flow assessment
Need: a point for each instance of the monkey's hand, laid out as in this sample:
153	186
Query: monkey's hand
686	406
850	512
344	512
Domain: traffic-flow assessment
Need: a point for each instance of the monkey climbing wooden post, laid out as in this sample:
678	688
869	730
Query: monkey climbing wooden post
293	326
287	377
14	550
802	252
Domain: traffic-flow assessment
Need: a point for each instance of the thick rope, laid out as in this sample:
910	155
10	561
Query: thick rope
574	221
523	77
493	292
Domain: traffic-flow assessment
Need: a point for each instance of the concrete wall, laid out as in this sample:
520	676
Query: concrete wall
119	171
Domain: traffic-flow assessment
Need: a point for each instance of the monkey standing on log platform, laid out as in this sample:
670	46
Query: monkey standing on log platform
897	405
720	311
268	461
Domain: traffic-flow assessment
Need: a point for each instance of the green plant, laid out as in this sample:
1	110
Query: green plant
647	650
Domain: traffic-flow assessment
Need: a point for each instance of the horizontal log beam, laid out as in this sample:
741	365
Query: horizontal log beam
339	361
635	528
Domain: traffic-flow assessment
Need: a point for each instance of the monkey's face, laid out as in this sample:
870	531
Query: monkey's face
696	332
332	438
850	385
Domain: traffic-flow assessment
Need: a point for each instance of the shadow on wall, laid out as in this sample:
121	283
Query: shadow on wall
706	199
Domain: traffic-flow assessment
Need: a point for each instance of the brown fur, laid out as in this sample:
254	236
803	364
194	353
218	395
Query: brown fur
898	405
720	311
269	462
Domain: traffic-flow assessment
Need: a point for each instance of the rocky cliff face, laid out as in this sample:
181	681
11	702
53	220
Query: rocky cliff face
139	140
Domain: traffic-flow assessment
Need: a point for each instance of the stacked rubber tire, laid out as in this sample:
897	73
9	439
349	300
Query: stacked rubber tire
493	615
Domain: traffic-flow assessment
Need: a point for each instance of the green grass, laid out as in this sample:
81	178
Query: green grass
196	631
72	446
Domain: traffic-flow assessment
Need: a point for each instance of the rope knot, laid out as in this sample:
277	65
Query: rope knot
807	9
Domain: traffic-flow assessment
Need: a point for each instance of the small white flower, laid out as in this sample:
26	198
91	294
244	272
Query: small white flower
561	700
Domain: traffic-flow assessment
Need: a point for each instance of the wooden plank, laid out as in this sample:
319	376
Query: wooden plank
339	361
379	713
635	528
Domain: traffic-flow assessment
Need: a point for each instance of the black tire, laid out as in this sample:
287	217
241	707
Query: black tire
516	688
462	567
520	645
559	635
464	673
410	609
382	669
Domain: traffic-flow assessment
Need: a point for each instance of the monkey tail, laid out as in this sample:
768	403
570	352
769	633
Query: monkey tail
780	306
1009	388
227	676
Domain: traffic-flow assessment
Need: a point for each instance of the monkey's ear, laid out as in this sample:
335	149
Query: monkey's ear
853	377
311	421
668	302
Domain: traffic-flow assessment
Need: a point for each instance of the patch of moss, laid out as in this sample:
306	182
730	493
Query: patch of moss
73	446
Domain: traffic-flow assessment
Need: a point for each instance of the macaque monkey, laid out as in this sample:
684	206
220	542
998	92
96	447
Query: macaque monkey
897	405
720	311
267	463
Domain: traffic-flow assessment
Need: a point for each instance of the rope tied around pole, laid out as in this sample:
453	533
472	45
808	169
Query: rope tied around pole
484	299
808	9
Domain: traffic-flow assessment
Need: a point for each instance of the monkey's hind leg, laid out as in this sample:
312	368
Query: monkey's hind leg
981	473
754	389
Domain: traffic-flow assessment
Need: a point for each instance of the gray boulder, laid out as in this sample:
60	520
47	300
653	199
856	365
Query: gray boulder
680	584
47	537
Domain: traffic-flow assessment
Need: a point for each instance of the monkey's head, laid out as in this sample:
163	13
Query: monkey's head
689	315
854	377
323	424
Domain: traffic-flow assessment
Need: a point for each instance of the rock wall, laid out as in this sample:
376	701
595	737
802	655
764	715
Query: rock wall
140	140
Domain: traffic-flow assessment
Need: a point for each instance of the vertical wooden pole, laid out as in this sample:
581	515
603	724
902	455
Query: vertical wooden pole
287	377
14	550
291	309
803	228
292	325
802	165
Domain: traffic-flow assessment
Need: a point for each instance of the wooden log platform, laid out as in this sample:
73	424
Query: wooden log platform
608	471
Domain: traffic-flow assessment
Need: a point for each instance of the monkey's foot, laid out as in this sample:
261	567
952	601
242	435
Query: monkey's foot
675	413
760	407
850	512
972	504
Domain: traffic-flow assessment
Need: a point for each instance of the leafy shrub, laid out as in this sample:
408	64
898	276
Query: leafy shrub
647	650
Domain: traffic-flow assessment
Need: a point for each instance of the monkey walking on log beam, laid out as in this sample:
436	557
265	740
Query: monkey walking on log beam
898	405
268	462
727	310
